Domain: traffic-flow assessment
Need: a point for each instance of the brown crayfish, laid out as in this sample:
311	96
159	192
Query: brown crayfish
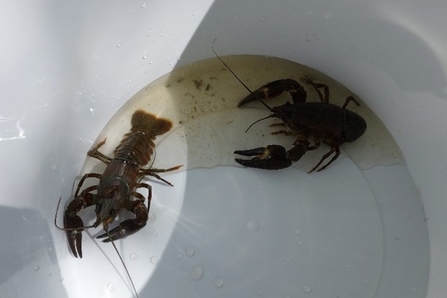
118	184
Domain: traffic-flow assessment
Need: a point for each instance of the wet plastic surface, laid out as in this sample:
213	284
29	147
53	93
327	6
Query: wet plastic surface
69	67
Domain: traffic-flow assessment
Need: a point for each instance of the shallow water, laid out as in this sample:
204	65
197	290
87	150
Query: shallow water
356	229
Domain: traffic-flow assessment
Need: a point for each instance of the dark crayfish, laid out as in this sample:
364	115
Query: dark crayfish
118	184
318	121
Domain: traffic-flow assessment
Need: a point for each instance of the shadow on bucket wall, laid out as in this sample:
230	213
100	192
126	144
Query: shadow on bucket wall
241	28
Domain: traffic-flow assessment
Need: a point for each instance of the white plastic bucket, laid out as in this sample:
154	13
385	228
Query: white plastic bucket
68	67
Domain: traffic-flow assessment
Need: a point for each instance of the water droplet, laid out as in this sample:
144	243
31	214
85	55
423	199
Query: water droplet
194	13
189	251
297	232
118	44
37	268
143	5
146	70
154	260
49	274
219	282
197	272
53	166
133	256
144	56
129	80
111	287
179	256
307	288
154	233
253	226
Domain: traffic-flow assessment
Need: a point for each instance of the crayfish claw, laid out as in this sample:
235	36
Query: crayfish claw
126	228
75	242
75	227
260	151
272	157
276	88
269	90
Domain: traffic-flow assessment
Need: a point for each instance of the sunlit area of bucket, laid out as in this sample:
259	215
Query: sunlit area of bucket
355	229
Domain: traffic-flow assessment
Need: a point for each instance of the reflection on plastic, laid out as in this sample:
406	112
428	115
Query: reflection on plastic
28	256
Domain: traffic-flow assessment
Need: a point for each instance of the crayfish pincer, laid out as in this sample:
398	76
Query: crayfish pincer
315	121
118	184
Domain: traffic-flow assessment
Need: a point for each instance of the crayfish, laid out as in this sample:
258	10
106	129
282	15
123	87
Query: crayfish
318	121
118	184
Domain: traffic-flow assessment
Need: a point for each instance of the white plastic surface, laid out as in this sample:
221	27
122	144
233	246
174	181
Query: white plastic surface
67	68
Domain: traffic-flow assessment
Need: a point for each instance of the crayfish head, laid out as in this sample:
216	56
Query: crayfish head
284	112
109	204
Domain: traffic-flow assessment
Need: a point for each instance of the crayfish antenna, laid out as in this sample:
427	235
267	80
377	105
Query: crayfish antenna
232	72
259	120
243	84
122	262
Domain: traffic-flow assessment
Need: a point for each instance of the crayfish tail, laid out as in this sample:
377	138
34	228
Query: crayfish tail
149	123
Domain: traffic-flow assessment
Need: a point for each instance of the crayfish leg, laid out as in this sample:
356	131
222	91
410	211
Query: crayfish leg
98	155
348	100
324	96
333	149
153	172
81	182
